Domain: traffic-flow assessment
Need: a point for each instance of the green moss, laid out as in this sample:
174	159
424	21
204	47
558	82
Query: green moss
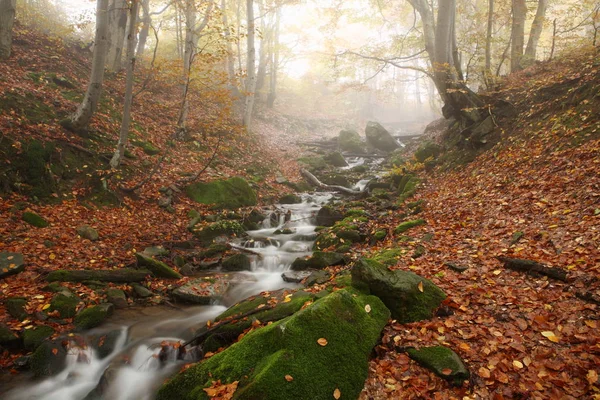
28	106
93	316
7	336
403	227
16	307
289	347
313	163
147	147
227	228
428	150
440	360
66	305
335	159
31	165
32	338
318	260
356	212
237	262
158	268
350	140
34	219
388	257
409	189
231	193
48	359
289	199
380	235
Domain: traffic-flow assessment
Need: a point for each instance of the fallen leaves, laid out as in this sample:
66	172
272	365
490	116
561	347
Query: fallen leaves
322	342
289	378
550	336
222	391
337	394
368	308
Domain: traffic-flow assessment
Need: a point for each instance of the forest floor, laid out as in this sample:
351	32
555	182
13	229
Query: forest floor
535	195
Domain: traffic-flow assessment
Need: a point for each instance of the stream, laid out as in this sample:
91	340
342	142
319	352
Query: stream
133	371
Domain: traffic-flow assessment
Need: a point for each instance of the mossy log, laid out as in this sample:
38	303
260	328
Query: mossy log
533	267
104	275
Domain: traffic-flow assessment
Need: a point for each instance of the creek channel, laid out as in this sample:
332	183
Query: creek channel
132	371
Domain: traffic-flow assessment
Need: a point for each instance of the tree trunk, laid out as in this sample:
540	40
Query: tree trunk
263	52
7	19
145	29
131	44
488	38
251	66
81	119
534	34
519	10
118	25
230	62
274	62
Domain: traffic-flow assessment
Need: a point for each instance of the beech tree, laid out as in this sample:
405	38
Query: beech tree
117	21
250	66
81	119
534	34
7	19
517	37
274	62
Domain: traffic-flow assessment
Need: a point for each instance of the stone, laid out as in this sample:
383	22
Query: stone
442	361
34	219
231	193
456	267
409	296
290	199
10	264
328	216
237	262
379	137
93	316
106	343
141	291
318	260
103	275
295	276
7	337
154	251
203	291
65	303
404	226
33	337
158	268
291	346
336	159
16	307
117	297
428	150
317	278
350	140
220	228
48	359
87	232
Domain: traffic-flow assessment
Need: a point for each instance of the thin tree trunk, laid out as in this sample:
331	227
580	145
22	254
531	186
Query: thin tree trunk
275	62
488	38
251	65
262	54
131	44
81	119
519	10
178	33
230	61
554	33
238	43
117	29
7	19
535	33
145	29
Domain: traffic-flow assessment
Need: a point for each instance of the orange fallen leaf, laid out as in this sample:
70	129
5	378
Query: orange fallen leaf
420	286
484	372
322	341
550	336
446	371
592	377
55	351
337	394
517	364
289	378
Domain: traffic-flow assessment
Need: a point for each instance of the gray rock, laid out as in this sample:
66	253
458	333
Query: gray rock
350	140
10	264
117	297
141	291
328	216
379	137
317	278
87	232
202	291
153	251
237	262
295	276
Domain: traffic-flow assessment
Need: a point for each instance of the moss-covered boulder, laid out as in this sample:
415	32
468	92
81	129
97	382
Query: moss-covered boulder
404	226
336	159
290	199
11	264
380	235
102	275
237	262
442	361
428	150
350	140
48	359
409	296
407	187
314	164
158	268
141	291
323	347
34	219
106	343
93	316
16	307
202	291
328	216
319	260
87	232
221	228
65	303
33	337
7	337
334	238
379	137
117	297
230	193
388	257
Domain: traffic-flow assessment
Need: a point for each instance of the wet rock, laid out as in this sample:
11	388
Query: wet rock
188	270
221	228
16	307
336	159
294	346
295	276
319	260
428	150
65	303
456	267
33	337
317	278
117	297
34	219
87	232
290	199
379	137
328	216
202	291
306	237
10	264
409	296
141	291
442	361
237	262
230	193
106	343
158	268
350	140
93	316
48	359
154	251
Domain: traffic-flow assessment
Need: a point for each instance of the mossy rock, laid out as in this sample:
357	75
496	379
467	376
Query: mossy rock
141	291
221	228
356	212
379	137
65	304
405	226
388	257
442	361
237	262
103	275
339	237
428	150
158	268
317	278
260	361
419	251
7	337
34	219
290	199
318	260
87	232
106	343
350	140
93	316
360	169
11	264
147	147
117	297
328	216
337	179
16	307
33	337
409	296
230	193
380	235
48	359
214	250
313	163
409	188
336	159
154	251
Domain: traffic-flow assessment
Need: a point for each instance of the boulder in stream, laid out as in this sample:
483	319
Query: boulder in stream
324	348
328	216
379	137
93	316
221	228
228	193
237	262
349	140
319	260
409	296
336	159
49	358
290	199
204	291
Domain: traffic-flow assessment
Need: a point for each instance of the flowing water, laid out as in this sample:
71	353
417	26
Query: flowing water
133	370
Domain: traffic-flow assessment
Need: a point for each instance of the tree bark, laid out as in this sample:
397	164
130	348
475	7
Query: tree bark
488	38
7	19
274	62
81	119
116	34
131	44
534	34
230	62
263	52
250	67
145	29
519	10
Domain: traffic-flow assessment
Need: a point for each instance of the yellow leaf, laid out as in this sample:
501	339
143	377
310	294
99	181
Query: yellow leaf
337	394
52	256
592	377
47	306
420	286
322	341
550	336
464	346
553	227
368	308
484	372
497	272
289	378
517	364
591	323
39	296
